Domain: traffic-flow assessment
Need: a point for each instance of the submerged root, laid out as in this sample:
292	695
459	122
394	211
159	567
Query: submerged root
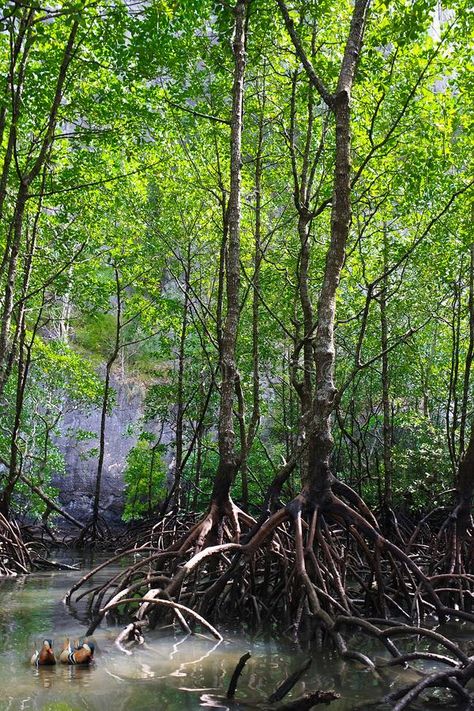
444	546
93	533
454	679
317	570
15	557
22	551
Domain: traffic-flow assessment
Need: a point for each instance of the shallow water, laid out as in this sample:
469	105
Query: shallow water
171	672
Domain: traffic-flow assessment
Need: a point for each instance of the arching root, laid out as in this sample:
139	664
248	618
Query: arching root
318	569
14	555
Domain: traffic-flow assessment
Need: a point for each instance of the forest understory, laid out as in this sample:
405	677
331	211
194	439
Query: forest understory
323	574
260	213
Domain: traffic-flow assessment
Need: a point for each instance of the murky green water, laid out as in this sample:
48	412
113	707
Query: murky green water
171	672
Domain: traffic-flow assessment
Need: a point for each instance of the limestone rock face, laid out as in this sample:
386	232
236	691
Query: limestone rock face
122	429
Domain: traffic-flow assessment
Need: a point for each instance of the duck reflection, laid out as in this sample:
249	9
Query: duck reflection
81	676
47	677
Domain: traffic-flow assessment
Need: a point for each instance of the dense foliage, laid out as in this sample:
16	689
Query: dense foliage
114	189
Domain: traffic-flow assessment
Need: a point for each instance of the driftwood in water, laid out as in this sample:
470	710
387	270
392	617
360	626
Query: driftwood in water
289	683
237	672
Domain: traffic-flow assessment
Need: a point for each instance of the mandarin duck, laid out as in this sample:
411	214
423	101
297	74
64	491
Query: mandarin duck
78	653
45	656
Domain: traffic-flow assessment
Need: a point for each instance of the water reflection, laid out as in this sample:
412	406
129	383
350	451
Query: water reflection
213	702
169	673
62	674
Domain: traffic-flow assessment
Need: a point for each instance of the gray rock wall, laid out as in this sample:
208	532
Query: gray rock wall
122	430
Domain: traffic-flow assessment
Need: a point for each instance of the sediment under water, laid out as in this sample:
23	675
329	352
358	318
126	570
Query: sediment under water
171	672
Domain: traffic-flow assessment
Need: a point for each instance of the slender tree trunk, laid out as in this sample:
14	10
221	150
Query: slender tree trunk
387	414
15	457
469	358
199	435
465	477
105	401
12	250
150	478
465	491
228	462
255	416
317	481
24	359
452	404
14	86
180	405
8	295
303	176
23	366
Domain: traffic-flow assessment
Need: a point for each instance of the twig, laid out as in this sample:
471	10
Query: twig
237	672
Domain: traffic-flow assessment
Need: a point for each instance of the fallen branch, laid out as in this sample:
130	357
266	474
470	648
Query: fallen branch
237	672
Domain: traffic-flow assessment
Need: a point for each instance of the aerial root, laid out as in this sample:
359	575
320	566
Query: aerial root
388	577
445	540
130	636
323	571
175	606
94	532
15	557
453	679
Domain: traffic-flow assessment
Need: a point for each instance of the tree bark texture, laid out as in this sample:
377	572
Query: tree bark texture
228	461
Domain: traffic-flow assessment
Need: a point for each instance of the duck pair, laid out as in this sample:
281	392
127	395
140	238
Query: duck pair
76	653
